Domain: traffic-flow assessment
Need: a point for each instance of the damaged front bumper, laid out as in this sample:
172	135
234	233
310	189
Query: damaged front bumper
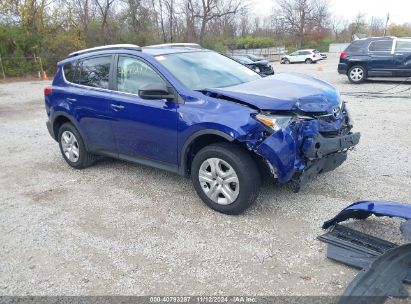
298	153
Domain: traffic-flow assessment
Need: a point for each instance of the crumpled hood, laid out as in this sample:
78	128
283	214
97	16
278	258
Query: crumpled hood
285	91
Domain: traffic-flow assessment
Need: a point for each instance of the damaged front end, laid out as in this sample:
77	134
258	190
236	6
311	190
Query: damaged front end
298	147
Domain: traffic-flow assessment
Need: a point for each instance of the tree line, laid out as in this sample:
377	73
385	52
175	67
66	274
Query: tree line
53	28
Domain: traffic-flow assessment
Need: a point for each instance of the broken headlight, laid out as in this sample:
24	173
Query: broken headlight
275	122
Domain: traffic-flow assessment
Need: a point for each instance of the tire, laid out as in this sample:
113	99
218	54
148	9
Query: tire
357	74
245	185
73	148
286	61
308	61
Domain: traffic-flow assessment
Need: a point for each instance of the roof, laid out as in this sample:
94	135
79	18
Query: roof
130	48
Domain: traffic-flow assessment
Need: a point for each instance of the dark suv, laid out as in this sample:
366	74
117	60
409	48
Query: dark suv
197	113
378	57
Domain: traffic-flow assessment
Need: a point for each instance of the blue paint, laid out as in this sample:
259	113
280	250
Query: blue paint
363	209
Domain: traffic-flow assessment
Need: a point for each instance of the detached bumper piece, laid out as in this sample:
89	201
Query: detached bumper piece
382	279
356	249
385	265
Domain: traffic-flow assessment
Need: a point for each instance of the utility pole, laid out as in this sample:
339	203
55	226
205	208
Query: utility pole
386	24
2	69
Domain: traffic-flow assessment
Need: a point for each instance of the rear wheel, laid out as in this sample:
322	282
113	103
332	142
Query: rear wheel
225	177
357	74
72	147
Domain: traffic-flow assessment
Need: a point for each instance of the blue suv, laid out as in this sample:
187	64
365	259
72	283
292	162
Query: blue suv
197	113
376	57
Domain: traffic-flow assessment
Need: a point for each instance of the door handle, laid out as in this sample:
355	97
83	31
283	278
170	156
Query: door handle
117	107
70	100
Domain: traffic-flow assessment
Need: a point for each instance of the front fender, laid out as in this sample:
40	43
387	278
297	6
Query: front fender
280	150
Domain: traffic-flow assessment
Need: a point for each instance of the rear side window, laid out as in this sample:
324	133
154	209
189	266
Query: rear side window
403	46
380	46
355	46
69	70
94	72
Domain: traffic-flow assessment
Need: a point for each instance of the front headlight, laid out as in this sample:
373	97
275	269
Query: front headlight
256	69
275	122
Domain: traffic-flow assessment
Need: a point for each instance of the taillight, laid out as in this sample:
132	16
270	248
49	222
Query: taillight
343	55
48	90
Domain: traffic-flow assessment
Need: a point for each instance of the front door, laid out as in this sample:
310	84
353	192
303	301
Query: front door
143	128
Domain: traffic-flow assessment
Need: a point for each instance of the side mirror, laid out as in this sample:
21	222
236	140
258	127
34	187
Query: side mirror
155	91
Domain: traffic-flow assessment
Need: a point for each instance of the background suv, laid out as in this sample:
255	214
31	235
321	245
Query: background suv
197	113
382	56
306	56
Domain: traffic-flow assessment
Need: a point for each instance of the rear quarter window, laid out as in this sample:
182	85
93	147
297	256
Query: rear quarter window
355	46
69	70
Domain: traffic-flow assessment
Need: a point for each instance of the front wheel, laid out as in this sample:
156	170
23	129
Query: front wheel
308	61
357	74
225	177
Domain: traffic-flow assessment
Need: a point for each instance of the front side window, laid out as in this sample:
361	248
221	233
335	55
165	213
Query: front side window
206	69
132	74
94	72
403	46
380	46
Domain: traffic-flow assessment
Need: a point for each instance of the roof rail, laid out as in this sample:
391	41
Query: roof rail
166	45
106	47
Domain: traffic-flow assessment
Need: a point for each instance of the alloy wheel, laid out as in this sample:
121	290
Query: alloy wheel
357	74
70	146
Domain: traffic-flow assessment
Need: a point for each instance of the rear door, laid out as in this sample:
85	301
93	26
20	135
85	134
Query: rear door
381	61
89	96
402	57
144	129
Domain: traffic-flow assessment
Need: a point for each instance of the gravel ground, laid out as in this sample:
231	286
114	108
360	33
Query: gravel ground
123	229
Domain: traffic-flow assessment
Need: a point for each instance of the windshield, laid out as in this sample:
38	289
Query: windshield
200	70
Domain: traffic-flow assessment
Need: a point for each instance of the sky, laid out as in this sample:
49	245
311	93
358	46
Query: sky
400	10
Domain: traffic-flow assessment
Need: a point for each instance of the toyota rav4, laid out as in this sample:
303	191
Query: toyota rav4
199	114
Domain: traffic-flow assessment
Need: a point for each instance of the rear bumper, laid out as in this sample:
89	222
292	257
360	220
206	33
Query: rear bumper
342	68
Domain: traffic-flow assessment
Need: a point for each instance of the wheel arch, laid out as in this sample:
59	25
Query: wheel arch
350	64
197	141
59	118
